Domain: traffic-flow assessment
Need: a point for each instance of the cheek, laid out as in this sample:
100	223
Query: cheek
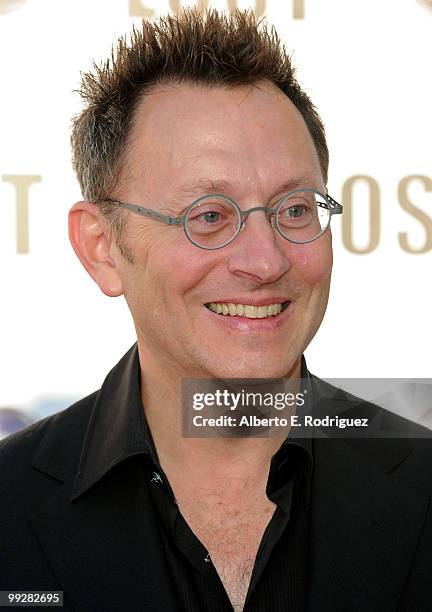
313	263
173	271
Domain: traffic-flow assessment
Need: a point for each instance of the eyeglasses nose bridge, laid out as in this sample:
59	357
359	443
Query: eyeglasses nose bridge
244	214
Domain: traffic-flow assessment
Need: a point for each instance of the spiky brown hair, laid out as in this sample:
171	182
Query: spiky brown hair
211	48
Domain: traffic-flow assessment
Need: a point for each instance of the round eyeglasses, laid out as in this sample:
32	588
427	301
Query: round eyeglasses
213	221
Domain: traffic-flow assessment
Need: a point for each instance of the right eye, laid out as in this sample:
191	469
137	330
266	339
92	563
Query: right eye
210	216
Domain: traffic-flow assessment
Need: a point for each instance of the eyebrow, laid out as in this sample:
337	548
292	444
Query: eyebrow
210	186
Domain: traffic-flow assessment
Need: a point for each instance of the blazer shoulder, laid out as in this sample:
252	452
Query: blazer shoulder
386	420
399	446
64	430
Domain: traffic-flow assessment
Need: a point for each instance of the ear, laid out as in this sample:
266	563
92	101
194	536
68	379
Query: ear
94	247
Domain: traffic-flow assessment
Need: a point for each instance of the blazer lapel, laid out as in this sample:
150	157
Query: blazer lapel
364	527
105	547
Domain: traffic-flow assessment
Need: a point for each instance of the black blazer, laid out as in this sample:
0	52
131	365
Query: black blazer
370	543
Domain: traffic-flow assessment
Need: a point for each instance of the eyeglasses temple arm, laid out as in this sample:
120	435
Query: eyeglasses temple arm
335	207
146	212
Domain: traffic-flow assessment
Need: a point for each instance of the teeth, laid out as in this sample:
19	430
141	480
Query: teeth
245	310
263	312
251	312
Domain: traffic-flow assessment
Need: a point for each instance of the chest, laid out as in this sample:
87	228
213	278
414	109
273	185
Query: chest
231	530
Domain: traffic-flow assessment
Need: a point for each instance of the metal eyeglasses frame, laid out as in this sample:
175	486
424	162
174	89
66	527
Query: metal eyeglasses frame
330	204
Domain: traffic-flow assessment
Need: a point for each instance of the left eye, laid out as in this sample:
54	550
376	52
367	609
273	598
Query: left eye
295	211
210	217
295	215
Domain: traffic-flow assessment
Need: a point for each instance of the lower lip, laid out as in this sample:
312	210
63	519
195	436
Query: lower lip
246	324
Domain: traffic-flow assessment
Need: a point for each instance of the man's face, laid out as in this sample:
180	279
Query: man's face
249	143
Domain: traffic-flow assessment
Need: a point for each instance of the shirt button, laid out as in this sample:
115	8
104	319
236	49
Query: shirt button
156	478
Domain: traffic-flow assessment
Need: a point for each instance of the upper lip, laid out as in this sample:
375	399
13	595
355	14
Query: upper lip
250	301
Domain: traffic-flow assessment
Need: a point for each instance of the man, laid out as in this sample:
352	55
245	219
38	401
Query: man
203	168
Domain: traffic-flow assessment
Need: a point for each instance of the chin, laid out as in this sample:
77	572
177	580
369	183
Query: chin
255	370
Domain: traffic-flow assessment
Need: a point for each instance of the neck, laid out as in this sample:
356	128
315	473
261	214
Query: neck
238	457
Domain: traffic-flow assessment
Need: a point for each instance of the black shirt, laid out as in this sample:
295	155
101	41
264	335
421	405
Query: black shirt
279	576
278	581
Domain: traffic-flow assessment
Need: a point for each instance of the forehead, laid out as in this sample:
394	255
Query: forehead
189	135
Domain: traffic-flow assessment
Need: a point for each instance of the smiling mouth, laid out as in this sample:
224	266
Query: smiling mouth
246	310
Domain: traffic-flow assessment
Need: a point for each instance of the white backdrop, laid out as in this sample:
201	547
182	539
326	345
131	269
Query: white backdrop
366	65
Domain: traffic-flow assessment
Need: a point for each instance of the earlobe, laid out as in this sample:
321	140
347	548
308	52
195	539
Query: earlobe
92	244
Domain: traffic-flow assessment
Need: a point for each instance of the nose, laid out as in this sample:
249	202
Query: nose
258	253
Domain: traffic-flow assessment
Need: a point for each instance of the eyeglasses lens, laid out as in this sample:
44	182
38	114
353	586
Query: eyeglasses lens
212	222
303	216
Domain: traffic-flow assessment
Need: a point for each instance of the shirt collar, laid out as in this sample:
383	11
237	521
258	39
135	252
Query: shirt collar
118	429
